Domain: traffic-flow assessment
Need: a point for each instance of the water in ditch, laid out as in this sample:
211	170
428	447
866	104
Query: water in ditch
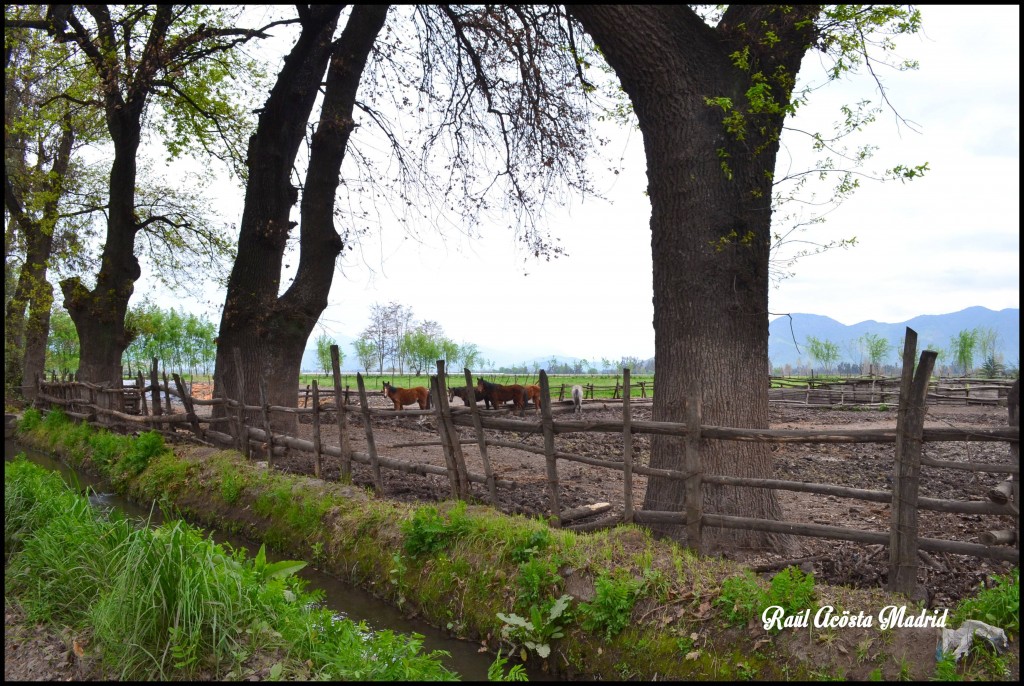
343	599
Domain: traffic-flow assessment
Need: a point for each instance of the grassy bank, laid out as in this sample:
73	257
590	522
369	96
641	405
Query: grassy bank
169	604
613	605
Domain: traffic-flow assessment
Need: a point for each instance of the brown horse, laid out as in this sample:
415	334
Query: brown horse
463	392
496	394
533	393
407	396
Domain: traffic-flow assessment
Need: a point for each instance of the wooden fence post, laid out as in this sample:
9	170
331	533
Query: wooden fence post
265	414
907	469
316	430
157	410
94	416
446	448
243	429
481	439
141	382
186	400
692	464
346	456
627	451
549	451
167	399
454	481
371	447
453	434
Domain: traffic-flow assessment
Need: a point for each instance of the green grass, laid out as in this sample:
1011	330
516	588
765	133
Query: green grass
169	603
998	605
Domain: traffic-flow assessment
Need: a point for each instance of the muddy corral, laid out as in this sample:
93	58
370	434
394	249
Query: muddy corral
946	577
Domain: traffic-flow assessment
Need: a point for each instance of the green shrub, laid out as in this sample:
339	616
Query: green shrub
537	578
742	598
231	487
524	546
543	626
792	590
140	452
107	447
30	420
55	419
613	603
429	532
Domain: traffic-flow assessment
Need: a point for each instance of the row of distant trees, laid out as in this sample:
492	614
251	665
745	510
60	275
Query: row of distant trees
395	341
873	353
583	366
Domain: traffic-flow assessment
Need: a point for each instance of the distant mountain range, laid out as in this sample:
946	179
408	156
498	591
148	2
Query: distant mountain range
933	331
786	333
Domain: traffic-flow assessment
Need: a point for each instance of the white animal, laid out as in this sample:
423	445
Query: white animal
577	400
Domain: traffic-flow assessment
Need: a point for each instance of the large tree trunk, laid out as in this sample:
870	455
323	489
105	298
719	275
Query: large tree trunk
270	331
710	234
99	314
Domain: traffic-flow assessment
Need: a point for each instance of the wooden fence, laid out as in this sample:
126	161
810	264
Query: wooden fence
100	405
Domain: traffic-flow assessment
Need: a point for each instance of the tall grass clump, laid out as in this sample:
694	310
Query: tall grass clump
59	551
144	448
168	603
30	419
429	532
998	605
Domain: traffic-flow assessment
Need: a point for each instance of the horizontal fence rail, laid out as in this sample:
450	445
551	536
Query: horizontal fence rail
128	407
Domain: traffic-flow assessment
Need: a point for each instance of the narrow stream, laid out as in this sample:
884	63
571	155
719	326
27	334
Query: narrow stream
341	598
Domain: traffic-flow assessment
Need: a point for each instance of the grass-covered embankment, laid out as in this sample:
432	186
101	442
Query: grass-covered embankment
168	603
614	604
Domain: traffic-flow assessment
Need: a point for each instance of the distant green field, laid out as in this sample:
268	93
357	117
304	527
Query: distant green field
603	384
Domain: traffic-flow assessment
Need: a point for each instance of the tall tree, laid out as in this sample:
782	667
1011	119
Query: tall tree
475	81
710	102
269	330
136	53
44	124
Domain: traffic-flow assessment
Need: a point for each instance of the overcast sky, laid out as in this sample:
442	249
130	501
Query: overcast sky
935	245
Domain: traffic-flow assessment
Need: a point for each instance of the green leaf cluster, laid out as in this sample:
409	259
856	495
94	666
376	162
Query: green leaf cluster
540	630
614	598
429	532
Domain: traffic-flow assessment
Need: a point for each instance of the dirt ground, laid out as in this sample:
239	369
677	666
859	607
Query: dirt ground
34	653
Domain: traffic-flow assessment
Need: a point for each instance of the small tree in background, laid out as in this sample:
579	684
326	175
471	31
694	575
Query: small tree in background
875	348
366	351
469	355
824	351
323	352
962	347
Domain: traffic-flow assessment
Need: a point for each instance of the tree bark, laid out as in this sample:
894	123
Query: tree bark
271	331
99	313
25	347
710	197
